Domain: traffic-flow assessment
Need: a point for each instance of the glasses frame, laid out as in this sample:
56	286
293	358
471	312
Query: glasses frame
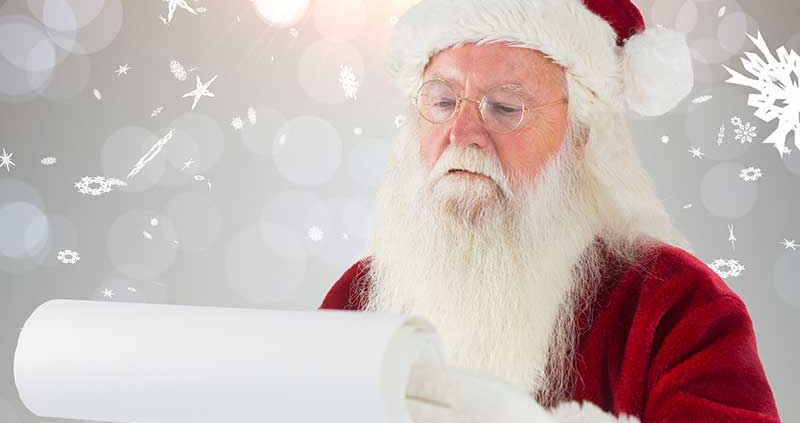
480	103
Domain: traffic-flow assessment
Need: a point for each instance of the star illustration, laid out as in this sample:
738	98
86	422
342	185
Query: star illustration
108	293
123	70
188	164
173	5
696	153
200	91
789	244
5	160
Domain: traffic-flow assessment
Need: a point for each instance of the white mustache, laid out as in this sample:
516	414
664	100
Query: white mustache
470	160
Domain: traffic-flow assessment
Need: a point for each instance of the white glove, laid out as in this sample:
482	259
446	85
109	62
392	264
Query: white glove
472	398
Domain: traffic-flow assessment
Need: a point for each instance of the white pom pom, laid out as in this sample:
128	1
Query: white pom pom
658	71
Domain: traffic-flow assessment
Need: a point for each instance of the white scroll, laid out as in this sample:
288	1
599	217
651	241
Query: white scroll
156	363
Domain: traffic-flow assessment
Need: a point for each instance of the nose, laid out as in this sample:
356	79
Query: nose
467	127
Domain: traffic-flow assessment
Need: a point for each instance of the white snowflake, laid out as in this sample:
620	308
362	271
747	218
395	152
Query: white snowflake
789	244
68	257
750	174
122	70
315	233
734	268
173	5
696	153
349	82
5	160
721	135
237	123
779	90
665	139
399	120
702	99
294	32
157	111
151	154
251	116
108	293
93	185
97	94
201	90
177	69
744	132
49	161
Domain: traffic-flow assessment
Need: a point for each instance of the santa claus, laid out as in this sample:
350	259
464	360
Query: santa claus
515	215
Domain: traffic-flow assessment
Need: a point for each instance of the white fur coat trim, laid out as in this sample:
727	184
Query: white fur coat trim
572	412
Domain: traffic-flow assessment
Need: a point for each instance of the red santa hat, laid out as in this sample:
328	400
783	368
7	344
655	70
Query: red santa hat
602	44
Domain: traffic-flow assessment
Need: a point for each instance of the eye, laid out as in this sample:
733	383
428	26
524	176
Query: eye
503	108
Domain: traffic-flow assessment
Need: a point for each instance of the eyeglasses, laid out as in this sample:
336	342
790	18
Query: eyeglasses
502	109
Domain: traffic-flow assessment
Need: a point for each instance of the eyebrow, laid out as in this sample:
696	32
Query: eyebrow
514	84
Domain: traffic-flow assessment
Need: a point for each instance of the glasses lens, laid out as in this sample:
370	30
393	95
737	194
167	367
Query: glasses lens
503	109
436	101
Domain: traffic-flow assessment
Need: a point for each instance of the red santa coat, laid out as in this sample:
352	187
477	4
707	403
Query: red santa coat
668	342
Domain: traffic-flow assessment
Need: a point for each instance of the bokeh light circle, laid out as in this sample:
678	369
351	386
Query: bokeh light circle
341	19
197	219
25	230
258	138
281	13
368	160
304	213
123	150
94	35
24	44
307	150
266	263
726	195
135	255
319	69
66	15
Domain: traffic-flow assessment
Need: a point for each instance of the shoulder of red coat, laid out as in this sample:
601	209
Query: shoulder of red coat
341	295
673	275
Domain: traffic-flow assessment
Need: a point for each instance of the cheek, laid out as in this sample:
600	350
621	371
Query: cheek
431	147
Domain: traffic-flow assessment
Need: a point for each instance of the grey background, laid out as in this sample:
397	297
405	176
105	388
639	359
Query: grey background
314	159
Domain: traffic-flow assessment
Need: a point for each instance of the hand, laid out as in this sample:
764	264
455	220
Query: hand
472	398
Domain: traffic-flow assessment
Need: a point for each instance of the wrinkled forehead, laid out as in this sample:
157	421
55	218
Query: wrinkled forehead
492	64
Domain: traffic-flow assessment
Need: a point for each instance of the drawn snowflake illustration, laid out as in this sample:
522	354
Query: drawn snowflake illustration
348	80
776	79
721	135
665	139
108	293
93	185
122	69
97	94
177	69
744	132
157	111
315	233
237	123
251	116
294	32
734	268
702	99
116	182
68	257
789	244
696	153
152	153
49	161
5	160
399	120
201	9
751	174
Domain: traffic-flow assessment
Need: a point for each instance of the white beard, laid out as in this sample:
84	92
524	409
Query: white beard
496	273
